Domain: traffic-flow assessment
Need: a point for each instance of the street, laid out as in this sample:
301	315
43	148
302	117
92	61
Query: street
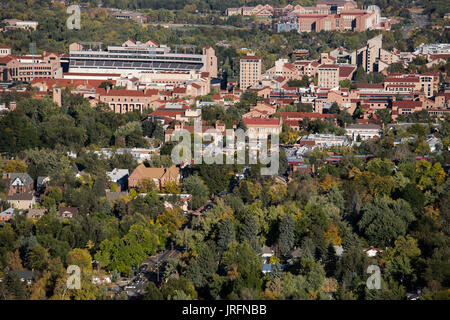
151	269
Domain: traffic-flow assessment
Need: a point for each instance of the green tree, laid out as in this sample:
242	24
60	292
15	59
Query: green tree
383	220
249	230
194	185
243	267
286	234
152	292
226	234
38	258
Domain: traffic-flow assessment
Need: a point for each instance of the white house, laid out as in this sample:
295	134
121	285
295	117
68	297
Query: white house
365	130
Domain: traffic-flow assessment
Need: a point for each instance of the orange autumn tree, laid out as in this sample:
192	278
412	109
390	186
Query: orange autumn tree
332	235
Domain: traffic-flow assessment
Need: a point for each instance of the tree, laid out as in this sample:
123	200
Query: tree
12	287
172	187
330	261
98	188
384	115
382	167
286	234
414	196
181	284
383	220
152	292
360	75
105	84
226	234
17	132
15	166
173	219
345	84
146	185
80	258
249	230
396	67
402	261
38	258
194	185
243	267
205	267
283	163
132	133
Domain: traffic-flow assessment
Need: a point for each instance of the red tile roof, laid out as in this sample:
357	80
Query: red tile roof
262	121
166	113
251	58
345	72
302	115
407	104
126	93
334	66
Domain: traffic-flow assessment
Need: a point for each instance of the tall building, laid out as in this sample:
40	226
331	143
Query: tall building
250	71
369	55
328	76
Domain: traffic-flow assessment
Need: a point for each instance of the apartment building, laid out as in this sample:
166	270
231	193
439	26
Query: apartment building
368	56
262	127
250	72
328	76
407	83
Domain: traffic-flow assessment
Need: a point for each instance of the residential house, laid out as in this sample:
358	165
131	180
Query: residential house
266	253
7	215
120	177
36	214
372	252
18	182
27	276
68	212
21	201
160	176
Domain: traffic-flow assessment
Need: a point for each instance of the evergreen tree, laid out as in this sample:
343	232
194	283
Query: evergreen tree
245	193
249	229
287	235
226	234
330	261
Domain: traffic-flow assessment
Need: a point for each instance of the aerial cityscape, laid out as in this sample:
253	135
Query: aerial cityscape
225	150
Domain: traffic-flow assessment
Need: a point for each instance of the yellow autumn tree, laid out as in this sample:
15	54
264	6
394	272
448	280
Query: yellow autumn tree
332	235
328	181
173	219
15	166
171	187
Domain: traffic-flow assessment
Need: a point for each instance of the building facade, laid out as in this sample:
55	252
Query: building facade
250	72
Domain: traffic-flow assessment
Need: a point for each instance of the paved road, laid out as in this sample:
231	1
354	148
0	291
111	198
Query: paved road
135	287
419	22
